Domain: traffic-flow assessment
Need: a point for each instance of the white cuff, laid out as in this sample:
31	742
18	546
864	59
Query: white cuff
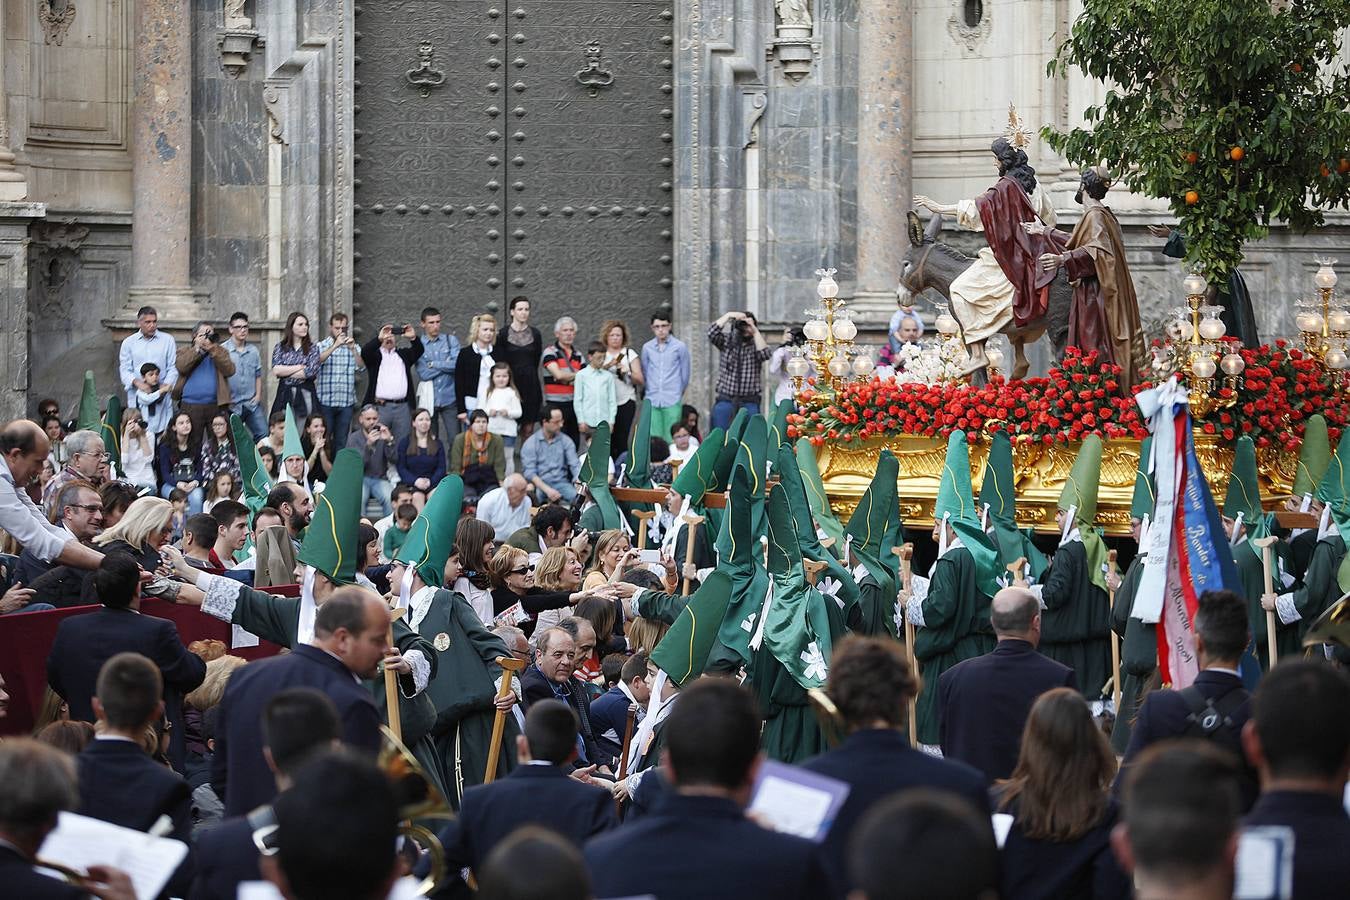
1037	590
1288	612
914	610
421	670
222	595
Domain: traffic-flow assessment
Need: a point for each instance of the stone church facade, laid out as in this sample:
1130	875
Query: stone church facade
603	158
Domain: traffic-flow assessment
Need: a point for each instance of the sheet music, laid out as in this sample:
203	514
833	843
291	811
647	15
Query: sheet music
80	842
796	801
1265	863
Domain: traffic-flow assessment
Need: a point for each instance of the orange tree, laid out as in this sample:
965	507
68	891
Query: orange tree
1234	111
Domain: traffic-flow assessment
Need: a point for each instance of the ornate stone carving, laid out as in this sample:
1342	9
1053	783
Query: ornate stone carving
272	103
235	17
56	17
593	75
236	46
425	77
793	43
967	34
55	260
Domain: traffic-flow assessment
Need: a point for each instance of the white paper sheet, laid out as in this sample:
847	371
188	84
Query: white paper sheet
80	842
796	801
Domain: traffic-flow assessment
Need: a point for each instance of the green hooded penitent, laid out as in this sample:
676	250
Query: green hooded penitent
740	554
683	653
111	431
815	495
432	535
252	473
88	419
331	544
604	514
1314	455
1079	498
290	444
955	503
868	530
778	424
998	497
1145	496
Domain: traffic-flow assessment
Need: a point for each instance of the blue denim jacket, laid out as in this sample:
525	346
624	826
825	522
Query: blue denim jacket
438	365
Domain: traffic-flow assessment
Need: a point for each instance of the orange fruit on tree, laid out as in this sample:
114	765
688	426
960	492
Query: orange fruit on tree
1236	154
1297	67
1192	157
1326	172
1192	198
1344	166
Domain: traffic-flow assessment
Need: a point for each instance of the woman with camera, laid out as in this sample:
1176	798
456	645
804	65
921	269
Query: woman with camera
623	362
138	450
203	386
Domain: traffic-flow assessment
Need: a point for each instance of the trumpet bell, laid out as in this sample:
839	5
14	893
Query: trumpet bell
827	714
1333	626
418	799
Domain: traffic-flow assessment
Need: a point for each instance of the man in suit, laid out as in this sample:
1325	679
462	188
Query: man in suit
119	782
37	782
350	640
84	643
871	684
297	724
698	844
1299	740
1215	706
538	791
983	702
550	678
1178	834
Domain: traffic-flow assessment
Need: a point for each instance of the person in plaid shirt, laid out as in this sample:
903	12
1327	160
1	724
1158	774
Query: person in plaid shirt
740	381
336	385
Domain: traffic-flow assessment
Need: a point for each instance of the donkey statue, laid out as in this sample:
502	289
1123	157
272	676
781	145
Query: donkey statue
932	264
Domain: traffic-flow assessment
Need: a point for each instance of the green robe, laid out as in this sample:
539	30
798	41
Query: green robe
956	628
463	691
1318	591
1076	620
874	608
1252	584
1138	654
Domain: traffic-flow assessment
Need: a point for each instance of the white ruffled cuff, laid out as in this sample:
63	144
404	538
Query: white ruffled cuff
1288	612
421	671
222	595
1037	590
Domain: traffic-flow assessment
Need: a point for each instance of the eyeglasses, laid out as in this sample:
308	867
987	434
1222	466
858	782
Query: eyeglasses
522	570
102	457
87	507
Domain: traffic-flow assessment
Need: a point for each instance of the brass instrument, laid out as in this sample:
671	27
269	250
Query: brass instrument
827	714
418	798
1332	627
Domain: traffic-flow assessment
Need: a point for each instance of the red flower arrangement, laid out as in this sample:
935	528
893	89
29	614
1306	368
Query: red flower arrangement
1080	396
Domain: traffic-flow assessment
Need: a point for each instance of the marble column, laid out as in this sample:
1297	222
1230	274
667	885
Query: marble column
13	185
885	126
161	158
15	220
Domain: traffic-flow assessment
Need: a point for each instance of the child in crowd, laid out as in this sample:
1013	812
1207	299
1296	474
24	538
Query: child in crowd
138	450
269	460
179	498
403	523
222	488
502	405
154	403
682	443
690	420
595	399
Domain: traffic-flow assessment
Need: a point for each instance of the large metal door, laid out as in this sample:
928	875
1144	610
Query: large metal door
507	149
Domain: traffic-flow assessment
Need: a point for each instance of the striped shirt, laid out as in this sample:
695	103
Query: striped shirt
556	391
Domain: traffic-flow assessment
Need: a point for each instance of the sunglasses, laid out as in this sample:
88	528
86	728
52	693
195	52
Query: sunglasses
522	570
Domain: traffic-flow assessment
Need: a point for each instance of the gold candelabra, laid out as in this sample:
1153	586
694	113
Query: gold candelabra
1323	323
829	348
1195	349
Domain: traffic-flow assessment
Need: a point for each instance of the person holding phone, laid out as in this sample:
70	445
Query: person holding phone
336	384
390	385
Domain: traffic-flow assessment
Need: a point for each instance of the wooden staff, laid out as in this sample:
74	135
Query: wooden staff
1267	545
691	521
642	517
623	758
1115	638
906	553
812	569
1015	569
391	683
510	665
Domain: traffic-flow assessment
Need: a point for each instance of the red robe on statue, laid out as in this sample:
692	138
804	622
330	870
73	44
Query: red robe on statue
1003	209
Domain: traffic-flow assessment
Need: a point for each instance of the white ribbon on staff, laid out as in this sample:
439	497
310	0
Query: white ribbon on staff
1159	407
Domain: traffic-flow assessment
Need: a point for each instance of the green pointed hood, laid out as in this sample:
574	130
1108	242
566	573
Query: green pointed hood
797	626
1244	491
726	460
252	473
1145	494
835	580
955	498
1334	488
331	544
111	432
432	535
816	496
696	475
290	444
1314	455
740	554
595	475
868	526
996	490
683	653
88	419
778	424
1080	488
640	448
754	447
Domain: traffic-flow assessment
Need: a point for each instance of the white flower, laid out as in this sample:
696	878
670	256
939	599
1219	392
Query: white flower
830	587
816	667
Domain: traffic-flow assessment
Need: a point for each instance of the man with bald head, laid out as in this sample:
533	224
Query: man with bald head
983	702
23	448
507	508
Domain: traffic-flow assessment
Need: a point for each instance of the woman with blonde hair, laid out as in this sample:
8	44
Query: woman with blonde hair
645	634
558	569
514	584
142	532
473	366
1059	797
623	362
613	555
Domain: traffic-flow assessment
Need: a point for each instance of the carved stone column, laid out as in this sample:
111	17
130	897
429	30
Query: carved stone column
885	125
161	158
13	185
15	219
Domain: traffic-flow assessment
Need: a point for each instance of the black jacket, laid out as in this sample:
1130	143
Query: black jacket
531	794
535	687
467	368
1081	869
226	857
879	763
983	704
84	643
239	773
703	848
19	881
1321	838
371	356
